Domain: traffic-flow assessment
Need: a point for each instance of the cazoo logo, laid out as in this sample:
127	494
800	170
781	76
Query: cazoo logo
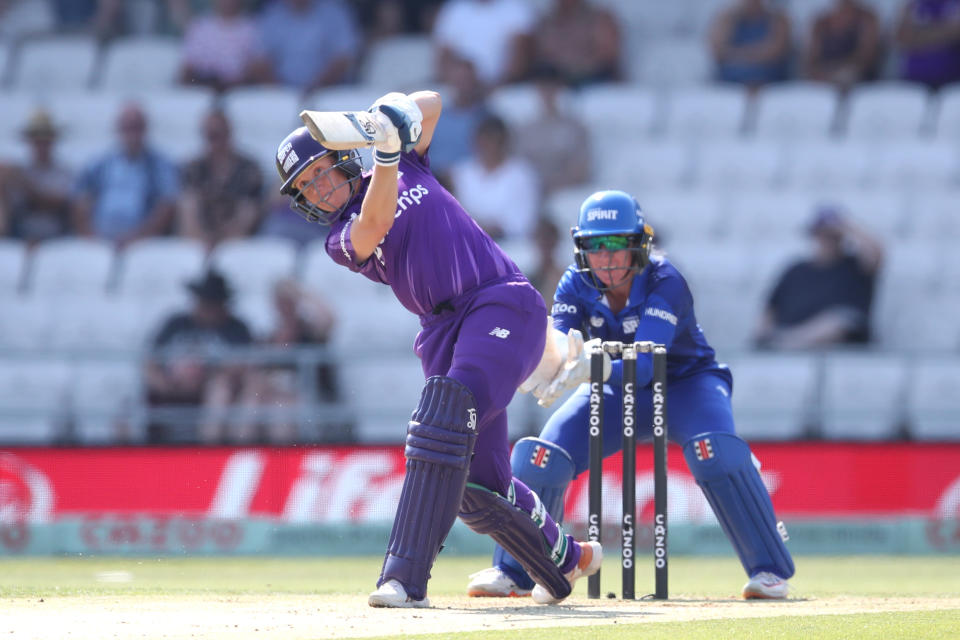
562	307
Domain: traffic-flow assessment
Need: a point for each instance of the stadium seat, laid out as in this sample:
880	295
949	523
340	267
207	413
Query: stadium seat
34	395
670	62
256	310
174	119
933	403
25	322
773	396
523	252
96	323
615	113
104	398
705	113
563	206
158	266
726	316
255	132
72	266
13	257
519	104
648	165
712	266
863	396
141	63
823	165
932	216
921	166
732	166
769	216
886	111
382	393
687	216
947	123
795	111
254	265
911	276
378	325
88	117
399	63
320	273
65	62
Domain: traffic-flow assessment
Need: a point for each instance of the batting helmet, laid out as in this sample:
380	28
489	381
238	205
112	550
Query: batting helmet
611	221
297	152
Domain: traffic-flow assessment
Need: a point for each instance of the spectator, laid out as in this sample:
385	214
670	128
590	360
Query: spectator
555	144
35	197
500	191
222	48
844	47
495	35
384	18
750	41
183	373
825	299
547	272
128	193
310	43
928	33
303	319
579	41
453	139
222	188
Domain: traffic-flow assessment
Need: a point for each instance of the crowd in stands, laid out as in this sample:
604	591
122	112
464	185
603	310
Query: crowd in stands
132	189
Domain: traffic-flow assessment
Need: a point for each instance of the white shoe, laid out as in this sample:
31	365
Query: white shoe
494	583
766	586
591	557
392	594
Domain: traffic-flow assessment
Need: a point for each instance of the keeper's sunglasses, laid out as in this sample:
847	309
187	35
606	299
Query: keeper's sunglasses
606	243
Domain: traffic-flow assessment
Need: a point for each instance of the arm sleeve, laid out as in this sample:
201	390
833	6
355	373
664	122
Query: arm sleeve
340	248
568	311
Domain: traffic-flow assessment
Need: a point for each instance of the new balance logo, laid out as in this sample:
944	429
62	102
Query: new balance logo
703	449
500	333
540	457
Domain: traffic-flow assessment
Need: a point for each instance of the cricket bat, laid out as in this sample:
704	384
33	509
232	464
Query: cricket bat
344	129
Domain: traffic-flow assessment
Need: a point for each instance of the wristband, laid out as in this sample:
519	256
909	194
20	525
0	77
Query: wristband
386	158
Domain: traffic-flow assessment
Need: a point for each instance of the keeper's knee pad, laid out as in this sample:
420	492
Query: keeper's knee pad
723	467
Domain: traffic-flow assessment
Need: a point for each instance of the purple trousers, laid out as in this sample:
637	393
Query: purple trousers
490	342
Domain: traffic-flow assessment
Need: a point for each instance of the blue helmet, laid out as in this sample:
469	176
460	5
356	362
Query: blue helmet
611	221
297	152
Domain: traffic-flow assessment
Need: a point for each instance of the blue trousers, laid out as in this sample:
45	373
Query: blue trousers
694	405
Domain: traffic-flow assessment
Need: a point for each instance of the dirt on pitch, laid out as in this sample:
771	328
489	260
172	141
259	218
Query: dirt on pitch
289	617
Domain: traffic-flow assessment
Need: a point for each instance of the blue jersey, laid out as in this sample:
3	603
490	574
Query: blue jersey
659	309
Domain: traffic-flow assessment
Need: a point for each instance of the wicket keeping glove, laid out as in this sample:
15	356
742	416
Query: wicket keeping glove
576	370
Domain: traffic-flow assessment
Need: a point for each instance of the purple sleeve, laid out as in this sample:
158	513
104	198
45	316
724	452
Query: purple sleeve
340	248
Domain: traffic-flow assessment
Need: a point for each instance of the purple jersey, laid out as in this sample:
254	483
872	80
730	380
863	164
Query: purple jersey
433	253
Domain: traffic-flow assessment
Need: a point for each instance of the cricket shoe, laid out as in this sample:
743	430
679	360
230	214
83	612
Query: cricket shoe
591	557
392	594
493	582
766	586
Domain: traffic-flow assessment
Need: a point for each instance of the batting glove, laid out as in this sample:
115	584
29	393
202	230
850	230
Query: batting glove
401	118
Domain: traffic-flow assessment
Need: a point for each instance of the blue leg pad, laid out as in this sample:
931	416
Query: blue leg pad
547	470
723	467
440	439
488	512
